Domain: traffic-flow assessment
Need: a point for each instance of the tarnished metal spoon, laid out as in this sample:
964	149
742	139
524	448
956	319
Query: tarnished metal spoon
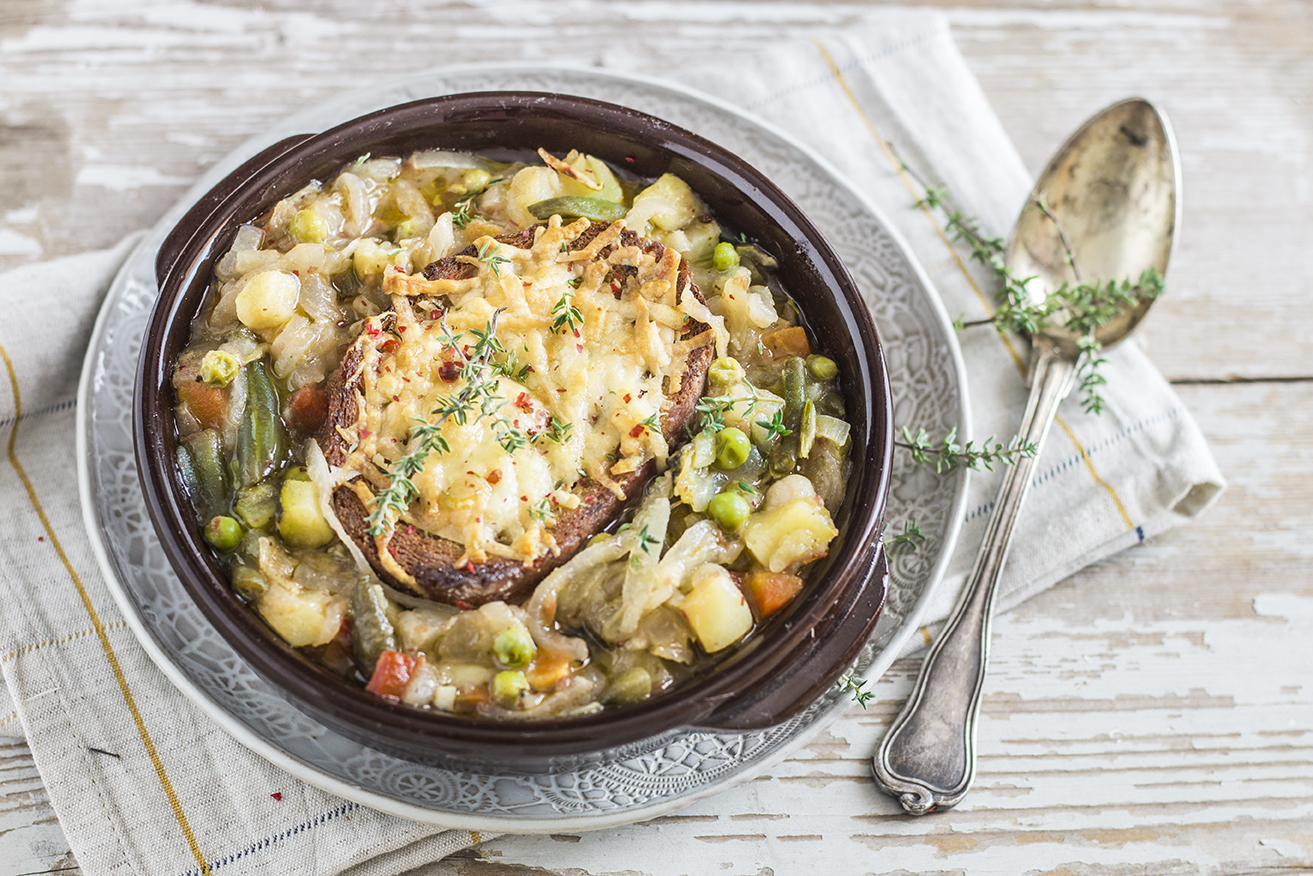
1113	190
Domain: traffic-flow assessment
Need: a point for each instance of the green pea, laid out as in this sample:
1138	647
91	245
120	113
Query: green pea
729	509
223	533
725	256
822	367
218	368
732	448
575	207
725	371
514	647
508	686
308	226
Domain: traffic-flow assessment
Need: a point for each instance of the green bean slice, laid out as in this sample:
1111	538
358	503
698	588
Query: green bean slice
577	207
807	430
371	630
208	488
261	437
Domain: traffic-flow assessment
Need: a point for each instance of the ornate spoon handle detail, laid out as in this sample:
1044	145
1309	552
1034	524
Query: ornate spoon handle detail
927	759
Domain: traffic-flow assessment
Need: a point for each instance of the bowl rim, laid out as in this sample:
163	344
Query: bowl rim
167	510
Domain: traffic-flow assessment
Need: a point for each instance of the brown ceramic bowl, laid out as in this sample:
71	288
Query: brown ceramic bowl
780	670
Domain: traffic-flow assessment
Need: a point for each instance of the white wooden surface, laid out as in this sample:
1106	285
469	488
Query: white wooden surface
1152	715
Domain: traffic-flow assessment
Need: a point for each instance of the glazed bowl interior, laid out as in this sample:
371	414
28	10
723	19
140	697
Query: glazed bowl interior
784	667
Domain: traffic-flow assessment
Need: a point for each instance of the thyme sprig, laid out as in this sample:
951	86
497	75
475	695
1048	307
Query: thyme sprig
478	398
460	211
490	255
566	315
947	454
910	536
854	686
1081	308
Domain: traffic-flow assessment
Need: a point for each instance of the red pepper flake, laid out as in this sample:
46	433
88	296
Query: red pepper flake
40	538
628	398
449	371
636	431
469	567
437	314
296	273
524	498
276	795
629	159
410	529
365	433
401	328
396	398
462	604
494	476
397	268
526	283
389	346
523	402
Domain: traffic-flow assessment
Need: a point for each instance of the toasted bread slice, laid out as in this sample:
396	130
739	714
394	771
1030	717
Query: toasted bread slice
432	561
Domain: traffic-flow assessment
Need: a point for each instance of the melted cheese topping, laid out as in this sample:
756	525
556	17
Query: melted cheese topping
586	391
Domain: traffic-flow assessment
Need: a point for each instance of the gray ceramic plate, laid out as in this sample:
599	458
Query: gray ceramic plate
928	390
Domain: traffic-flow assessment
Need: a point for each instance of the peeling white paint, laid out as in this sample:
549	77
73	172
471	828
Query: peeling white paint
122	178
13	243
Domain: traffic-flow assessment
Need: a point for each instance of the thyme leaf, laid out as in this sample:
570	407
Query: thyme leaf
947	454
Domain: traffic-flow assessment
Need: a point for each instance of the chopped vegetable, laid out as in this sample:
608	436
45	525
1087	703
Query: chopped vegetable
631	686
785	342
796	532
302	523
307	408
372	634
715	609
257	505
208	404
574	207
391	675
771	591
268	300
200	458
260	436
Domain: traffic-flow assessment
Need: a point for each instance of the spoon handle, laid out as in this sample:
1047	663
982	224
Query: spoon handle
927	759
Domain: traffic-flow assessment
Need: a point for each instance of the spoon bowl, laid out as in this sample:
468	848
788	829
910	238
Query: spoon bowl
1105	209
1112	191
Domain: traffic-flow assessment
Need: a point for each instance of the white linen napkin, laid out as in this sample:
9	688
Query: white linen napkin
143	783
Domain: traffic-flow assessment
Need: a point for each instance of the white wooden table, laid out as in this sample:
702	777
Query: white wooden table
1151	715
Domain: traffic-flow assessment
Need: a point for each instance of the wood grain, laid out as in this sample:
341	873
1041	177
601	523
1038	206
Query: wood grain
1151	715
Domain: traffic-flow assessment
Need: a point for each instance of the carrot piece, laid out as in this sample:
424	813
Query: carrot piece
771	591
391	675
546	670
786	342
208	404
307	408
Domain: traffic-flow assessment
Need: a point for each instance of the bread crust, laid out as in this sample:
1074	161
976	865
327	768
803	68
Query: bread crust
431	560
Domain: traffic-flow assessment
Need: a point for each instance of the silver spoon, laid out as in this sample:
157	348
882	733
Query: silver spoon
1112	189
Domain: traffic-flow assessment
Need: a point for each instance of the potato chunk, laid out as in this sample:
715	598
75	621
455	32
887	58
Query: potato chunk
716	609
795	532
268	299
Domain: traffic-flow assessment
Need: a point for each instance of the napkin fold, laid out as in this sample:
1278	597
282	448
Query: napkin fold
143	783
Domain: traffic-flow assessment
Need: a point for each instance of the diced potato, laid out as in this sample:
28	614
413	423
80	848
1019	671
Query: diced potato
667	204
796	532
268	299
528	187
301	617
302	524
716	609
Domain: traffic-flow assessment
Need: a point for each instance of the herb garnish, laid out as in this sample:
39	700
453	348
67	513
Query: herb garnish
947	453
855	687
460	211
